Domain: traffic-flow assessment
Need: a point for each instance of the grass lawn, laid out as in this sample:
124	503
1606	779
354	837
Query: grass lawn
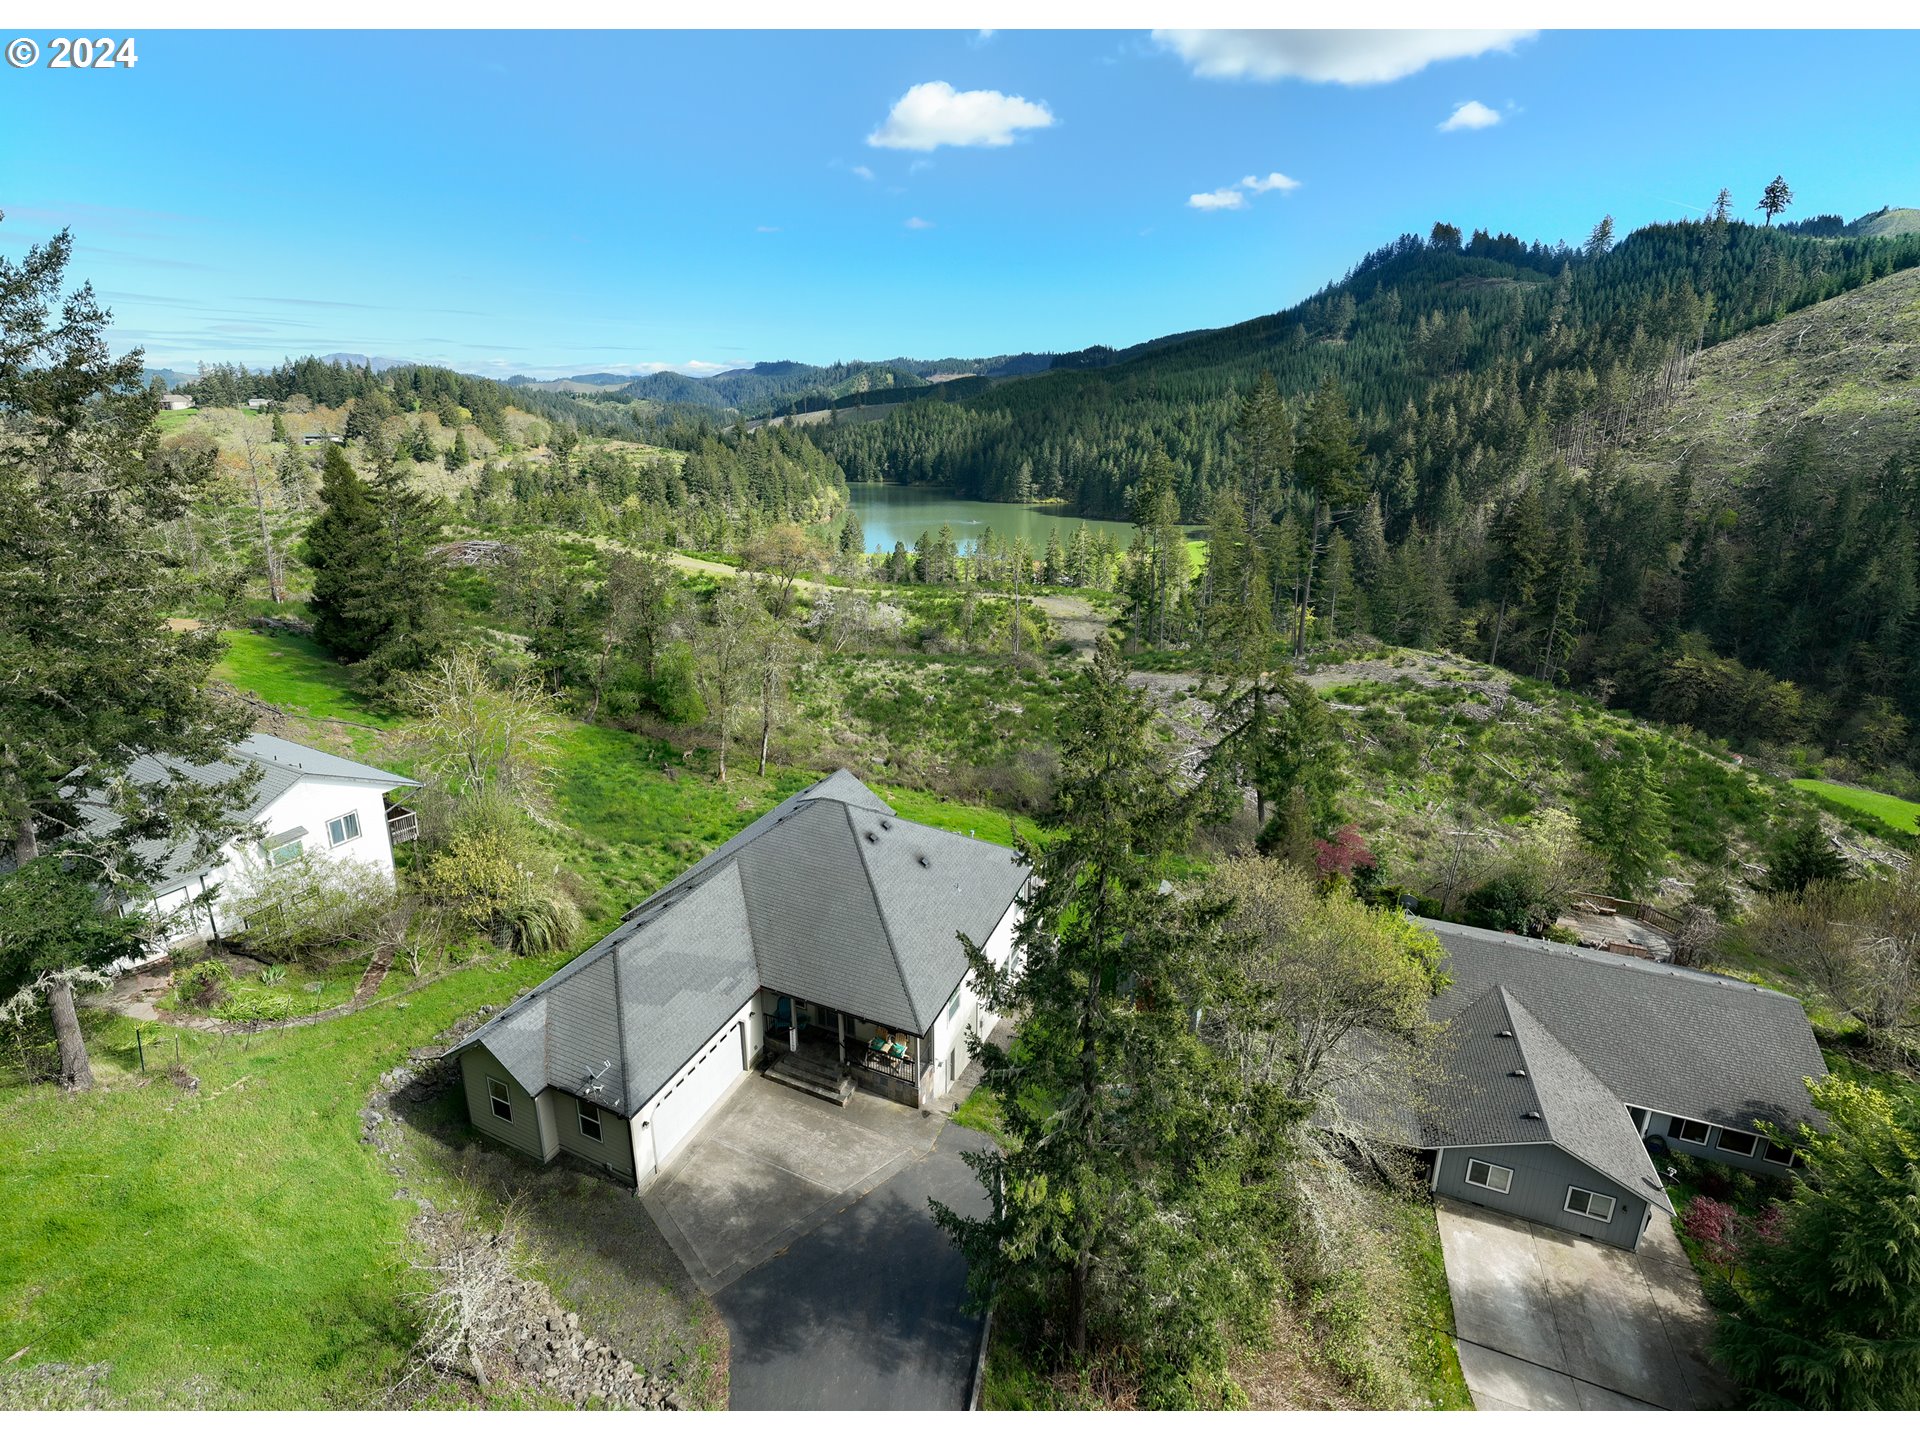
296	674
1902	815
231	1246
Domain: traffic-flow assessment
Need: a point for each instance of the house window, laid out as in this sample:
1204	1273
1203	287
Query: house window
345	828
589	1119
953	1005
1780	1154
1585	1202
1738	1142
500	1098
287	853
1694	1132
1489	1176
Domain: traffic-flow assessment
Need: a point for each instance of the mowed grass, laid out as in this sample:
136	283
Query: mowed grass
1889	809
232	1246
292	672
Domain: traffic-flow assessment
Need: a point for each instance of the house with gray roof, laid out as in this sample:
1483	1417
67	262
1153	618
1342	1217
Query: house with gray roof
1561	1069
306	806
823	939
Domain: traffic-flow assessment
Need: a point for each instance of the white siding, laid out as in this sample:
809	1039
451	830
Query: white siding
310	803
951	1028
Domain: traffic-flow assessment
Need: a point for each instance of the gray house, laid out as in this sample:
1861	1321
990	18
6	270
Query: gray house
171	401
1559	1065
822	939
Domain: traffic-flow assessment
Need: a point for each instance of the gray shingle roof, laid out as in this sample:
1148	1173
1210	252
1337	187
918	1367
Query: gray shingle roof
282	764
829	896
1681	1042
1508	1080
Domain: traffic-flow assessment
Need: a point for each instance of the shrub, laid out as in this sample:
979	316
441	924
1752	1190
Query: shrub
315	905
494	877
252	1003
203	985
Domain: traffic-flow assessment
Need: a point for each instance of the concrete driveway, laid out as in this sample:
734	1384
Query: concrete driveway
808	1225
1545	1320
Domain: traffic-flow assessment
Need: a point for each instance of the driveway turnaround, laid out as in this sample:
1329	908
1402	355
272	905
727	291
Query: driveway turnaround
1545	1320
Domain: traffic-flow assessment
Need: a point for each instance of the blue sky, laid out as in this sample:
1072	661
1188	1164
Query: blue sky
558	203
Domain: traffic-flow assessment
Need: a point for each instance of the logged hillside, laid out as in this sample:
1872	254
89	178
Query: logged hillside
1849	366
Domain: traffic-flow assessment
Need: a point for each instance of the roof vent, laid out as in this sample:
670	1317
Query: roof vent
1531	1115
1504	1034
1518	1074
872	839
886	825
925	864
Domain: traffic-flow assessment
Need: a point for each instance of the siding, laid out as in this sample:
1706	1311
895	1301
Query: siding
523	1132
1541	1175
949	1040
614	1148
1757	1162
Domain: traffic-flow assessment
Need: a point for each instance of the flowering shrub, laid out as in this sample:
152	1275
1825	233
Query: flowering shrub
1343	854
1716	1227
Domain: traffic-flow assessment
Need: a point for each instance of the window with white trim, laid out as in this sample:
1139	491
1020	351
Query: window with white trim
1489	1176
1738	1142
1694	1132
1588	1203
500	1098
343	828
589	1119
1780	1154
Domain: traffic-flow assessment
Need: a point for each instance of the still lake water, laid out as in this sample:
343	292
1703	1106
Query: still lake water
890	513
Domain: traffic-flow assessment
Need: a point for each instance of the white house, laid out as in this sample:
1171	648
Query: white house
822	939
171	401
307	803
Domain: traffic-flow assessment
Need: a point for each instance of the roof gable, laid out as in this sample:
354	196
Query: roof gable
1682	1042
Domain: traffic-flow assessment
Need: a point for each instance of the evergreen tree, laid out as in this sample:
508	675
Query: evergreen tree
1802	856
853	535
459	456
378	595
346	547
1124	1209
1521	546
94	676
1626	822
1776	198
1827	1317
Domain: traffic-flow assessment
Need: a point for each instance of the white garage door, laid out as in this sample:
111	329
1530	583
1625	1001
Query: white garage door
687	1103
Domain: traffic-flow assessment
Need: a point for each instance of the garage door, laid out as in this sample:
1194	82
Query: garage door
687	1103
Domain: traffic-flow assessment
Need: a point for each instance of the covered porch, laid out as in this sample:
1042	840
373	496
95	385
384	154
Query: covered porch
884	1060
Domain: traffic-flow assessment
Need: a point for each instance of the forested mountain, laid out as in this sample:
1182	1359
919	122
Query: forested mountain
1533	455
1462	361
403	388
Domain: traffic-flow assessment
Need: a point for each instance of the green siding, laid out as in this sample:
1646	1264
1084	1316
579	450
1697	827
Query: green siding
1541	1175
614	1147
522	1132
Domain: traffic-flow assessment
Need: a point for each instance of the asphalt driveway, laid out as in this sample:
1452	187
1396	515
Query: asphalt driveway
808	1225
1545	1320
866	1311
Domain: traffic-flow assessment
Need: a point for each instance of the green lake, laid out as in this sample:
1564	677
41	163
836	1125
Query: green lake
890	513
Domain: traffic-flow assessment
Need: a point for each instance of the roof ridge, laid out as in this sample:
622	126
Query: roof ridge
1605	959
1508	1004
886	929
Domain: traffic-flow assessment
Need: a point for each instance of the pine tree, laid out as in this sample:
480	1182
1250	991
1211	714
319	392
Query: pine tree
346	549
1053	567
1803	856
1520	545
459	456
853	535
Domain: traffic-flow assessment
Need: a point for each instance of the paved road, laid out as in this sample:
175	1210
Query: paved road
864	1312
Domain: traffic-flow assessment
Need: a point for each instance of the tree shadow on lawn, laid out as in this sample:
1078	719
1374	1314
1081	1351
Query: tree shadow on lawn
590	1239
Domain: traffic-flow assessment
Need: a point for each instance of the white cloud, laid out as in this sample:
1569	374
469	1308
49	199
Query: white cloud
1471	116
1342	57
863	172
1234	197
914	222
935	114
